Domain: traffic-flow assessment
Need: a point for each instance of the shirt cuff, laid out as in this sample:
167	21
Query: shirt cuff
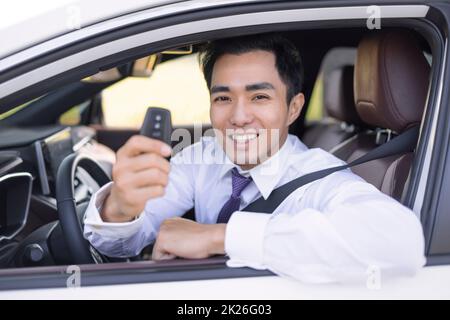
113	230
244	239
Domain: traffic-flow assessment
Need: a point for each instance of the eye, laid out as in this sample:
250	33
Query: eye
221	99
260	97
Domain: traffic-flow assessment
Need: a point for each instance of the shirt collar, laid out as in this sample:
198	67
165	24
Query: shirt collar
268	174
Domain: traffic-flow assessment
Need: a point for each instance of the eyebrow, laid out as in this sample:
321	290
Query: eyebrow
249	87
259	86
217	89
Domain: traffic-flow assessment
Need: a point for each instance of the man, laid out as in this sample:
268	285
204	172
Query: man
333	229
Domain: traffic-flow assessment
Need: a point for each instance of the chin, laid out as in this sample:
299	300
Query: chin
243	159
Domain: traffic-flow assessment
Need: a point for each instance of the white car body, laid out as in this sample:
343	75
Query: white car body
430	283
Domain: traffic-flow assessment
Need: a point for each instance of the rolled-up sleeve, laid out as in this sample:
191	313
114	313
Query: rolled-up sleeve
244	239
341	229
129	238
110	238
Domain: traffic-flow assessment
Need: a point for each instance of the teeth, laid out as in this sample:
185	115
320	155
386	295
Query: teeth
243	137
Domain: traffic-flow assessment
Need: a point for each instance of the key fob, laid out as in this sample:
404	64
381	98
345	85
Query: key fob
157	125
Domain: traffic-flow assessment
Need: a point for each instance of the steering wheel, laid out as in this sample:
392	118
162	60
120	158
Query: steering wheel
79	248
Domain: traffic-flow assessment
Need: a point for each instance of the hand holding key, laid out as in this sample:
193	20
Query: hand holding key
141	171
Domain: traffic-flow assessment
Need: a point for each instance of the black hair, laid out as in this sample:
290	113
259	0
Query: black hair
287	58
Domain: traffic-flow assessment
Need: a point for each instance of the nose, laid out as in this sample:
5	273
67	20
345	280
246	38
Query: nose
241	114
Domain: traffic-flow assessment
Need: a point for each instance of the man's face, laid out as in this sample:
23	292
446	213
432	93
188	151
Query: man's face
249	107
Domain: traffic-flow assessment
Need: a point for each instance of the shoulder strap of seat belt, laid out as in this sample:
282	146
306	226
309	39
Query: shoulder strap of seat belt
405	142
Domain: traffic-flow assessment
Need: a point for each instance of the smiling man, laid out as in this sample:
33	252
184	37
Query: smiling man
333	229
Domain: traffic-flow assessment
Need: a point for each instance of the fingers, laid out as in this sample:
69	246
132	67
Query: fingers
144	194
151	177
158	256
127	165
140	144
166	256
145	161
140	173
159	253
133	203
146	178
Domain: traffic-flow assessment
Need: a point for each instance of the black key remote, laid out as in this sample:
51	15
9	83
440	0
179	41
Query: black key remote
157	125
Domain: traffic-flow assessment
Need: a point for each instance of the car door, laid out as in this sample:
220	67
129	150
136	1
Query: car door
432	191
152	280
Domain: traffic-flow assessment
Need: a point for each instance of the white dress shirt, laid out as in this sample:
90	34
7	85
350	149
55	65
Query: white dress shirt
338	228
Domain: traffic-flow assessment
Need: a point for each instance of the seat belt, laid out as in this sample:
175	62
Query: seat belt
405	142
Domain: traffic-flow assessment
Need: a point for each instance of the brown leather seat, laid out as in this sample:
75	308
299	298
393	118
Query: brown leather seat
342	121
391	84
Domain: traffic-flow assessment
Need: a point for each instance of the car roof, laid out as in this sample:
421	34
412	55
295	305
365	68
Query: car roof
24	23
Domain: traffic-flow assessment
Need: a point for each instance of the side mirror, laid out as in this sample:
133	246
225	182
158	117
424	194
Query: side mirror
144	67
141	68
180	51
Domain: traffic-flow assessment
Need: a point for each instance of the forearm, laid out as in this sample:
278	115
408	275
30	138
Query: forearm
338	246
117	244
344	246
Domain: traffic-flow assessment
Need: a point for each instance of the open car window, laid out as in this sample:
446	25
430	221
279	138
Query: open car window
115	112
177	85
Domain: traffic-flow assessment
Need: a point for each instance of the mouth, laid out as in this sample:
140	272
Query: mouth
242	138
243	146
242	141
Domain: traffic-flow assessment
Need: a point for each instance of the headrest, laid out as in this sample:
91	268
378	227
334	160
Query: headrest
391	80
338	95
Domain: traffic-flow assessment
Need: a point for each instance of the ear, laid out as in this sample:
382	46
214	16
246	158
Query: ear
295	107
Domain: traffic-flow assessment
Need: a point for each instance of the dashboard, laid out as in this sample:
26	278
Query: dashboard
29	162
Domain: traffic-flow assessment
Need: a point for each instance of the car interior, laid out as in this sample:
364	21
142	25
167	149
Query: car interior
373	86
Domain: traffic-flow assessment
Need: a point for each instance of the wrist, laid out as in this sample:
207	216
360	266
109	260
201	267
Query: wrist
217	239
110	211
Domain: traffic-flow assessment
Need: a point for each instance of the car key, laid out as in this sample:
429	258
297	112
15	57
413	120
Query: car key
157	125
